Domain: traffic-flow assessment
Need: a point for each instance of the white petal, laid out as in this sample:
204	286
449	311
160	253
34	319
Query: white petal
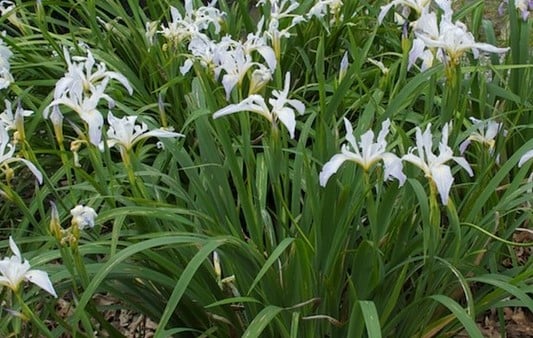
33	169
14	248
464	145
463	163
41	279
366	145
56	117
526	157
122	79
446	133
95	122
159	133
349	135
492	130
384	10
229	82
385	126
442	176
416	52
186	66
331	168
253	103
417	161
393	167
490	48
286	116
270	57
298	105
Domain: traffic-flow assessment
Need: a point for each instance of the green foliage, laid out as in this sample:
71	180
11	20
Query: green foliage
226	232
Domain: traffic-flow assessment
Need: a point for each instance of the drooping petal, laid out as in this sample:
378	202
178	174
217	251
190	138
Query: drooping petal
41	279
526	157
393	167
443	178
416	52
298	105
187	65
122	79
270	57
331	168
464	145
33	169
159	133
253	103
94	121
229	81
490	48
384	10
417	161
463	163
286	116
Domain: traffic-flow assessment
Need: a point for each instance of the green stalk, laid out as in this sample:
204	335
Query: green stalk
137	188
371	209
35	319
13	196
78	259
452	93
431	238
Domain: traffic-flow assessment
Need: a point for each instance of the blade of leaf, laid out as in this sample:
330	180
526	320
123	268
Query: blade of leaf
261	321
273	257
183	282
460	313
370	314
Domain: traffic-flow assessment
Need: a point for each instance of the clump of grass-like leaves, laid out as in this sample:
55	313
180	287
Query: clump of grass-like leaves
274	168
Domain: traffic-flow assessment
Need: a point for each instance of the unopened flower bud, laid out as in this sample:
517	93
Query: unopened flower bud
55	225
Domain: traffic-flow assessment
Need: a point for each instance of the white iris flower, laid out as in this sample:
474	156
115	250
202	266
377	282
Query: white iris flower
14	270
7	150
524	6
451	40
83	217
407	5
5	74
87	108
83	74
365	153
434	166
186	27
282	107
486	132
12	121
81	89
125	133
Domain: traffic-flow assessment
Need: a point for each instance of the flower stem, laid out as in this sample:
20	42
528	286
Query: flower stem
29	313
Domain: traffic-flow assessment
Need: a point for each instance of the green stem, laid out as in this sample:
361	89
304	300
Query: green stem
138	189
66	162
29	313
431	237
12	196
371	208
452	93
78	261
